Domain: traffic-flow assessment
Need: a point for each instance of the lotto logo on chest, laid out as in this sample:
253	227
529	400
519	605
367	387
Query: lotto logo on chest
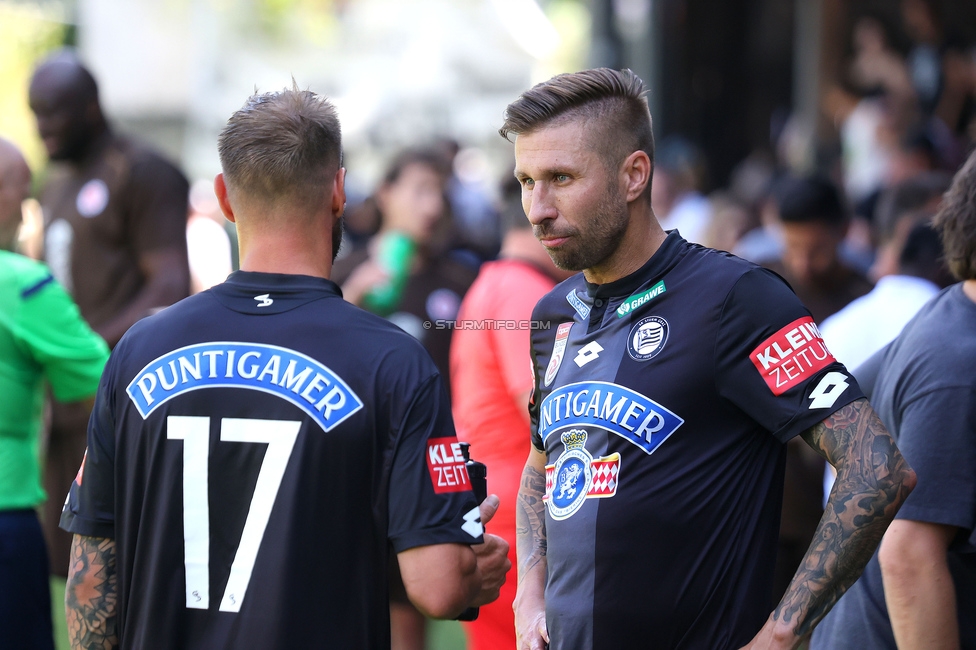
791	355
445	463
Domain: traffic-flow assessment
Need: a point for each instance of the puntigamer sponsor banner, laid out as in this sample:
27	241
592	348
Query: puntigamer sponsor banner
632	416
291	375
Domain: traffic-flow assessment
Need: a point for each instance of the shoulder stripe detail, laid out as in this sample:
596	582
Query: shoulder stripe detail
34	288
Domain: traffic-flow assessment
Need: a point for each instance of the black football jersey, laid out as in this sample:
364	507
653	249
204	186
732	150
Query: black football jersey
663	402
256	451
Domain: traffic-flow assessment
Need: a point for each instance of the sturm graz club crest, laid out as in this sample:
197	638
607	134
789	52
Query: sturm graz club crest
576	476
647	338
573	475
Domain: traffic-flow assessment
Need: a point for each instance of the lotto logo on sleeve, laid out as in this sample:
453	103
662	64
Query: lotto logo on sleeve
445	462
791	355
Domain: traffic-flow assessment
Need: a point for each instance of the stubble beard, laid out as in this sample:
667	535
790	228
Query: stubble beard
589	247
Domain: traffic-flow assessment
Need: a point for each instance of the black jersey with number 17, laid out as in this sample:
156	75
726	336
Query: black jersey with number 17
256	451
663	401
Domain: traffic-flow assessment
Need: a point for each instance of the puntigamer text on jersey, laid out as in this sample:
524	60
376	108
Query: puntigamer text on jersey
291	375
614	408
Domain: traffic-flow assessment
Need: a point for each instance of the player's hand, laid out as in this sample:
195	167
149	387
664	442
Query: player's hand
492	556
530	626
363	278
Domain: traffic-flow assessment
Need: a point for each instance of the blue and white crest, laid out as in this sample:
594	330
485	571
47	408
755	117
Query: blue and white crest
572	476
291	375
647	338
581	307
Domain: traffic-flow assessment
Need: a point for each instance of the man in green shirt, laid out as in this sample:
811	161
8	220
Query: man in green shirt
42	339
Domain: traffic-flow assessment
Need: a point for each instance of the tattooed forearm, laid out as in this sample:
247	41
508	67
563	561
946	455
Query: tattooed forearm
530	521
873	480
91	595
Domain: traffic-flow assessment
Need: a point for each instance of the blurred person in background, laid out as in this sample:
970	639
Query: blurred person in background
751	184
870	110
207	243
115	237
872	321
922	20
814	223
919	589
476	231
898	209
491	383
676	196
730	221
402	274
43	340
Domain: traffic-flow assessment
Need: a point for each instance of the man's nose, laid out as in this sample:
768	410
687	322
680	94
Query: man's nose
539	205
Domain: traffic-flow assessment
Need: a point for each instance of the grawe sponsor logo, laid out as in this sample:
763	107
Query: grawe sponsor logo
445	462
640	299
791	355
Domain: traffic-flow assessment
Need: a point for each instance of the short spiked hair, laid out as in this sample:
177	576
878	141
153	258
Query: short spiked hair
612	102
282	146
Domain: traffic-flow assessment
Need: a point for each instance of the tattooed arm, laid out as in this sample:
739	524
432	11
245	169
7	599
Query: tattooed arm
531	545
873	480
91	595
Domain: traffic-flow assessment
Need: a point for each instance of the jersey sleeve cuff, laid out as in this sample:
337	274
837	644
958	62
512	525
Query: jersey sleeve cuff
79	525
428	537
806	419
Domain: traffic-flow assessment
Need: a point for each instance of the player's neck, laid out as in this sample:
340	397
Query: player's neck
641	240
288	253
969	288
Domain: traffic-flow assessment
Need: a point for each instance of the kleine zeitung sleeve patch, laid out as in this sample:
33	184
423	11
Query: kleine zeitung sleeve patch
792	355
445	462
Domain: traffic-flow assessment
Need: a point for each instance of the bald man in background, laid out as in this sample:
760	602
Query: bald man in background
115	216
43	339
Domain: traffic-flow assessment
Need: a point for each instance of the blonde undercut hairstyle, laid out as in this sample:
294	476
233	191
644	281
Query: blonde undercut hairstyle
611	104
282	147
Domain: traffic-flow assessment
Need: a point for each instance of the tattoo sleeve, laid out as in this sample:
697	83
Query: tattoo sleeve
91	595
873	480
530	521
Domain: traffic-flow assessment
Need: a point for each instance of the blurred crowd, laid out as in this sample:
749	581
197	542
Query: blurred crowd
853	238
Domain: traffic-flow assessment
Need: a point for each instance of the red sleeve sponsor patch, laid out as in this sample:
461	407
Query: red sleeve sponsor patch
791	355
446	466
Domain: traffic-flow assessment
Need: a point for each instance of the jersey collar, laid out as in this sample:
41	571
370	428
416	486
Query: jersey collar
659	263
272	293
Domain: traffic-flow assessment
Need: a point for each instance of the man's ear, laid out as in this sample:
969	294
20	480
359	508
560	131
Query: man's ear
339	192
220	189
636	171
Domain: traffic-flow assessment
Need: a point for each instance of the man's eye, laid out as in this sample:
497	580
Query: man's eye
561	178
528	182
